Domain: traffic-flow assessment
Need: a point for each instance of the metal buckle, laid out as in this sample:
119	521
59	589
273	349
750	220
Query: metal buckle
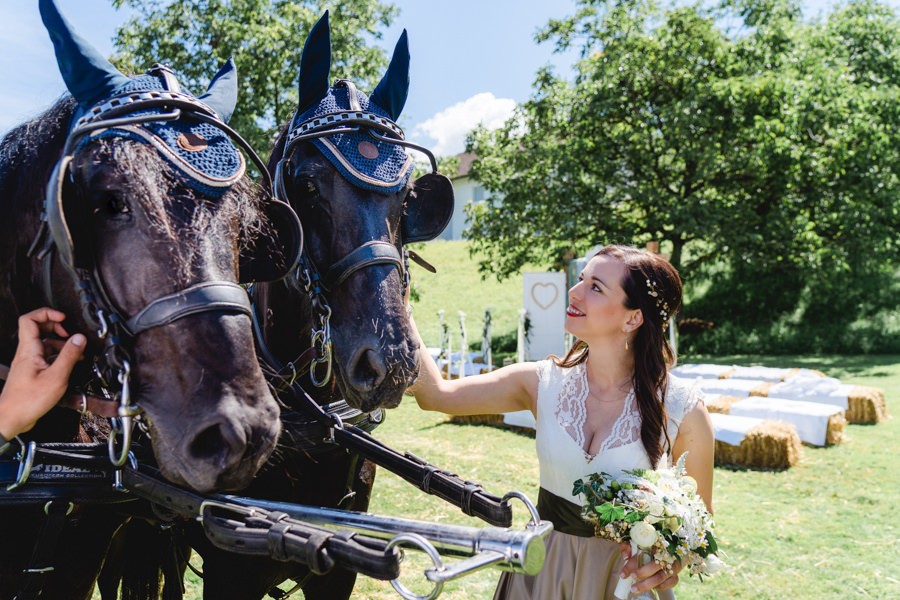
26	461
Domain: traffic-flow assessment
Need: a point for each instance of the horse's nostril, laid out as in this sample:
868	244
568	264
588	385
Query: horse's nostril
216	441
368	370
208	443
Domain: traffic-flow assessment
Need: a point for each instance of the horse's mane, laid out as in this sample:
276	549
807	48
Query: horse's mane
27	155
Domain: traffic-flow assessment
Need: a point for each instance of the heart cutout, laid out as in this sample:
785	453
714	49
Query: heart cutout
544	294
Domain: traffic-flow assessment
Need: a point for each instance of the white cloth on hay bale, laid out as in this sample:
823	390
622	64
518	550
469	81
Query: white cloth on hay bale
810	418
710	371
729	387
520	418
732	429
705	371
824	390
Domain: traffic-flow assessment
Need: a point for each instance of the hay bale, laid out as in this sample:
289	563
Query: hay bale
865	404
804	372
769	445
477	419
762	389
491	420
726	374
720	404
834	434
816	424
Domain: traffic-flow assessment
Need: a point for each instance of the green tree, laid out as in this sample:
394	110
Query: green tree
265	38
757	147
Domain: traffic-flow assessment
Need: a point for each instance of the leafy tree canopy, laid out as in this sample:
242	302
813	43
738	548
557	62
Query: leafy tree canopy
739	133
760	149
265	38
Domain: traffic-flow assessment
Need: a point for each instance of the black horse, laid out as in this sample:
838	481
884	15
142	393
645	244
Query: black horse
339	324
127	207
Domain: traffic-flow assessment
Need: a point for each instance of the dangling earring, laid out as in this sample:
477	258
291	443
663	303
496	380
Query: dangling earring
626	344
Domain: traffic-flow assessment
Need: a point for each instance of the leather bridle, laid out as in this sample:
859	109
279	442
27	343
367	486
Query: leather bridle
316	282
54	243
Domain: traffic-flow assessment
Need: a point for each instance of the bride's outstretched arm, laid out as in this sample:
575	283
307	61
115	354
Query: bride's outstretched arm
508	389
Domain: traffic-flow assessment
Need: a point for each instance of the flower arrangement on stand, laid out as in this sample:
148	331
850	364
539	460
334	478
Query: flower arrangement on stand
658	512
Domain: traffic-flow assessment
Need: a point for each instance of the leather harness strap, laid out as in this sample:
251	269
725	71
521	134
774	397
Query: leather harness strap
467	495
256	531
374	252
208	296
41	563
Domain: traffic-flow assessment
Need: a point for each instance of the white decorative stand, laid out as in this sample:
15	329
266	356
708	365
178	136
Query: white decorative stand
520	336
486	341
463	345
545	298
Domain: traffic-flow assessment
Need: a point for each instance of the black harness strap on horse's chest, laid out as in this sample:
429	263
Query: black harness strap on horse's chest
80	473
311	435
467	495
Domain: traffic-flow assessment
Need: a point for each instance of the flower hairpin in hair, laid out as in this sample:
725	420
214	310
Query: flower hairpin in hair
661	303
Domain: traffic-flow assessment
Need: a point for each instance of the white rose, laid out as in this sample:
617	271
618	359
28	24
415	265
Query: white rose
656	511
713	564
689	483
643	534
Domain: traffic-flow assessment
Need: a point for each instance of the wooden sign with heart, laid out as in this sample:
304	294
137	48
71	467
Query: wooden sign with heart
544	294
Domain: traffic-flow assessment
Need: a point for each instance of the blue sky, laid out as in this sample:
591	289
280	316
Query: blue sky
472	60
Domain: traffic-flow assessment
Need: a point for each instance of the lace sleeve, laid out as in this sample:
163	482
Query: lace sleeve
681	398
543	371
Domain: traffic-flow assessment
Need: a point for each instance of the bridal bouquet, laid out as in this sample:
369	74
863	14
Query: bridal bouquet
658	512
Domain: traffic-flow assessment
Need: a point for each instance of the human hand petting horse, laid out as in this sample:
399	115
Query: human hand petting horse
39	373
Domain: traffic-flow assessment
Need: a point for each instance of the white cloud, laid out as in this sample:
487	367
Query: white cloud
449	127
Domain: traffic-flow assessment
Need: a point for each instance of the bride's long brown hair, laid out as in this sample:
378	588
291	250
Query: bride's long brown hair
646	274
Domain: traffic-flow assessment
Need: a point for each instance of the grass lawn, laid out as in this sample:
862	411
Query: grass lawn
823	529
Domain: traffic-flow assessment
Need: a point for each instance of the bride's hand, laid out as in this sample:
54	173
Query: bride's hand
649	576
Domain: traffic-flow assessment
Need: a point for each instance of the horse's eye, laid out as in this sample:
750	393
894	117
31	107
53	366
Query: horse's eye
306	186
111	205
116	205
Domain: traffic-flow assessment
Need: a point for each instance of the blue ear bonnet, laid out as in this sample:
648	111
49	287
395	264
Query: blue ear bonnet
362	159
200	151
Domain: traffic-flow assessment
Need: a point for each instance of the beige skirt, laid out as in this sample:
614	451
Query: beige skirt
576	568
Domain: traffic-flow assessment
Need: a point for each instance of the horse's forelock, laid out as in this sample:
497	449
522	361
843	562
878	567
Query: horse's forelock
182	214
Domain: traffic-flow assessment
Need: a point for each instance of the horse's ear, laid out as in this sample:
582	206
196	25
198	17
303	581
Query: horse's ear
221	95
391	92
315	65
88	75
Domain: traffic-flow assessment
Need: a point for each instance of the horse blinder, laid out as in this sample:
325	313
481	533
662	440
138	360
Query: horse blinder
429	208
274	256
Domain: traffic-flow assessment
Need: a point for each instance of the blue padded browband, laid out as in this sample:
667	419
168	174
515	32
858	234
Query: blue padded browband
362	159
199	150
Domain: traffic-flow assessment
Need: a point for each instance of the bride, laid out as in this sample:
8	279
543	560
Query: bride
608	405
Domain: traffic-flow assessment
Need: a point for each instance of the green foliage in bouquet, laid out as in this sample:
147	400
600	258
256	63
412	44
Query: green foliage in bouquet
658	512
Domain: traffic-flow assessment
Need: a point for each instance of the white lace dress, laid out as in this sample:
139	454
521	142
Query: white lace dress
579	566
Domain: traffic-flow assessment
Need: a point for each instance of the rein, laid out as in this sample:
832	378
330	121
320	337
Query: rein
470	497
61	476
